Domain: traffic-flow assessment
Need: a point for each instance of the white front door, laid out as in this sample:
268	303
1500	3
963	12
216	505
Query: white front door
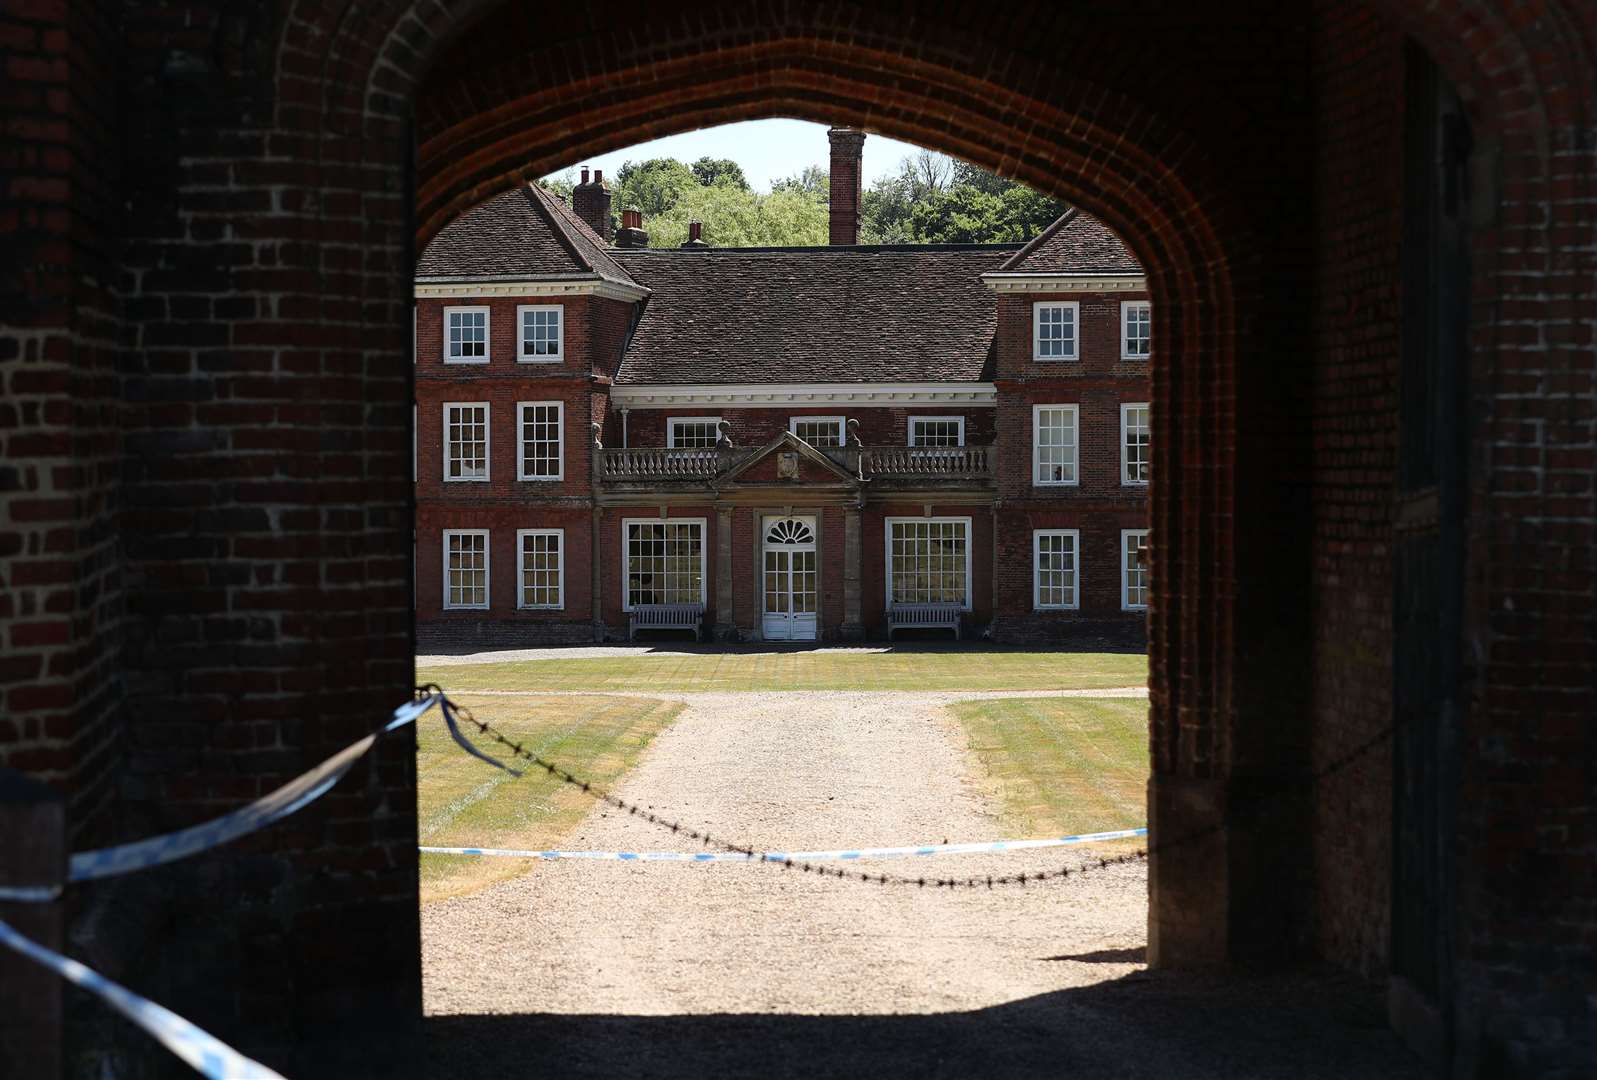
790	600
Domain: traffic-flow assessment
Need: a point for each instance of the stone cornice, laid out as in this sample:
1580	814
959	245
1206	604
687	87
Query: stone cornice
450	288
781	395
1005	282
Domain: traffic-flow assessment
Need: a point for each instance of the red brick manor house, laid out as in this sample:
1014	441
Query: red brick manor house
776	443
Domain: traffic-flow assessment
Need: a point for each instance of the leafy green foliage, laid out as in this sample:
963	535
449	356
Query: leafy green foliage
737	217
712	171
653	186
931	199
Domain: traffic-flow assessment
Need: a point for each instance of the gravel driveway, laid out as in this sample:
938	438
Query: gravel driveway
681	970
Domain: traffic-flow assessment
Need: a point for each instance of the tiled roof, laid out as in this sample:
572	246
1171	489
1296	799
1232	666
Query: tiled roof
1076	243
905	314
525	232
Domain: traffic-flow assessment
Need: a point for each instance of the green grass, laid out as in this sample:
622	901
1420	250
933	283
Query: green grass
463	802
962	669
1062	766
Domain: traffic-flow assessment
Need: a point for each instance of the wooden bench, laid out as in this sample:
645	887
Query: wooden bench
667	617
923	616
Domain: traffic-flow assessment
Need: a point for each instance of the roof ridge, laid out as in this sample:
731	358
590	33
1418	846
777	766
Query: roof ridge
1041	238
536	196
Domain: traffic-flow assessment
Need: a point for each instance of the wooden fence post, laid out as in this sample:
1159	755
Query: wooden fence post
33	852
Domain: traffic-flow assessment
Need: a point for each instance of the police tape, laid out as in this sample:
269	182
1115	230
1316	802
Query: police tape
292	796
839	855
199	1049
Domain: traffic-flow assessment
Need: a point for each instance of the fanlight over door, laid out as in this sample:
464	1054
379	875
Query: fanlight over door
790	580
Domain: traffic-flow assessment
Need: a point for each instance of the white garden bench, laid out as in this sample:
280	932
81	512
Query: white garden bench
667	617
923	616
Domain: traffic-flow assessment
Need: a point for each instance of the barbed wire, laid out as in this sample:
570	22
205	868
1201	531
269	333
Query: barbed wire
989	881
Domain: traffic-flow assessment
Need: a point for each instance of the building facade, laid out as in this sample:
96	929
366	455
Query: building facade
786	444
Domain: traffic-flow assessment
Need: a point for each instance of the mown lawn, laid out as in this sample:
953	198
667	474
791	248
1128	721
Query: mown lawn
962	669
463	802
1062	766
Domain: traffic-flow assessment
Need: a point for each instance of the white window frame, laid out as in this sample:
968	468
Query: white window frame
793	423
1125	569
887	563
704	552
487	334
521	570
521	442
1036	569
487	570
1037	308
487	442
555	357
1126	308
1036	446
1125	446
672	422
913	420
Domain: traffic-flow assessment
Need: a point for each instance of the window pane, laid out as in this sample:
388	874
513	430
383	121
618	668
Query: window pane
466	442
540	440
694	434
540	332
540	569
1137	438
664	562
1055	445
927	562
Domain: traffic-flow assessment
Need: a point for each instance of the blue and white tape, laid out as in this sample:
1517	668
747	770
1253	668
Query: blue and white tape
841	854
199	1049
292	796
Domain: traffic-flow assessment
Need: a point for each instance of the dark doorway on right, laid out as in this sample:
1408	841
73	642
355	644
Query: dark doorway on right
1428	553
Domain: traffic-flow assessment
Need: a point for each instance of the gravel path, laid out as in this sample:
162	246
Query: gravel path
684	970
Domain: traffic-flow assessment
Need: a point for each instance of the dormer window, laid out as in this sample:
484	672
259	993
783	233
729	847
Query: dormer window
692	432
465	335
1054	330
818	430
542	334
937	431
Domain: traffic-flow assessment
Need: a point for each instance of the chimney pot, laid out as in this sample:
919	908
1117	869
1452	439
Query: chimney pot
695	235
631	234
598	176
584	174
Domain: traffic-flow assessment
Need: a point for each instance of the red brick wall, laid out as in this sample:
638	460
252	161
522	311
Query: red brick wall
504	624
1358	74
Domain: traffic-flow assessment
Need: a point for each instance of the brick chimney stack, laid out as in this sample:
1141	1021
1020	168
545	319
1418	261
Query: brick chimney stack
695	235
592	203
848	148
631	233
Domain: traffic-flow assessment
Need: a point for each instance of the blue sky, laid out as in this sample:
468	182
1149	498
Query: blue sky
767	149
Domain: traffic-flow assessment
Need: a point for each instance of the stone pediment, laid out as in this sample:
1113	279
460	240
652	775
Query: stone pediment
788	461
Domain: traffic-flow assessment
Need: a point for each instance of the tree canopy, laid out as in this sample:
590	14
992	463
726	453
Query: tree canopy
930	199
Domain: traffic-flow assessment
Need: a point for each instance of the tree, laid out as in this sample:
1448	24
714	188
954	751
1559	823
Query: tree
653	186
735	217
928	172
814	181
711	171
561	185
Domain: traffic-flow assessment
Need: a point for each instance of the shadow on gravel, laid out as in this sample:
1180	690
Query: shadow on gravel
1139	955
1146	1024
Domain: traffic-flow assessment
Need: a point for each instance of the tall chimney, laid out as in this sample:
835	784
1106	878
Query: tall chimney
848	148
631	234
592	203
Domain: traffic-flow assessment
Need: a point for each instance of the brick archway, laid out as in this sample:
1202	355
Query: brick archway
485	131
206	486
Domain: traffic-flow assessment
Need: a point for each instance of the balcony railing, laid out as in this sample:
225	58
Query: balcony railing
934	462
659	464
